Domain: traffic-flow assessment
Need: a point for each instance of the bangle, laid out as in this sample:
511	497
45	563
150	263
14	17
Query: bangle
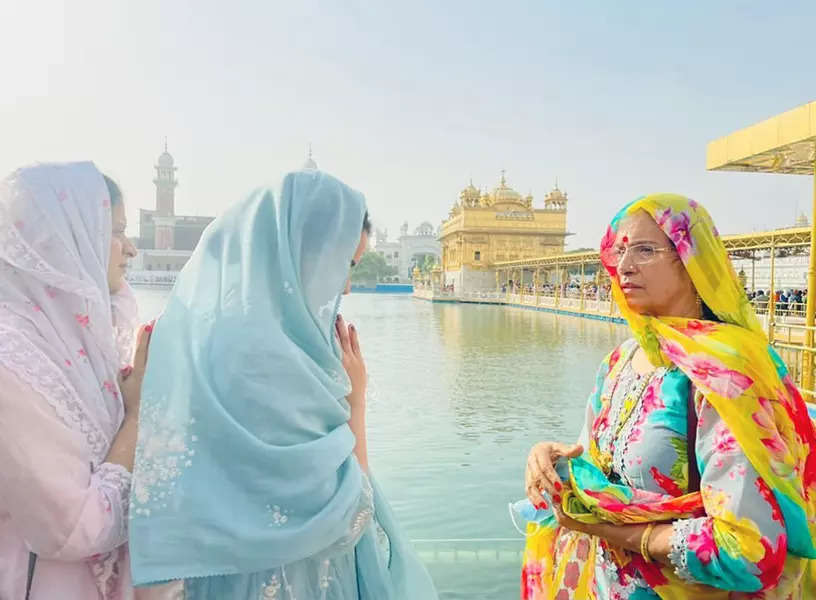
644	542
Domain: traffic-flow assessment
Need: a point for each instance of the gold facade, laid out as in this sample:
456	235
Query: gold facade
485	228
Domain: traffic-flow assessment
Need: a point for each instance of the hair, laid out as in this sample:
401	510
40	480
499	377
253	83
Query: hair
114	191
367	224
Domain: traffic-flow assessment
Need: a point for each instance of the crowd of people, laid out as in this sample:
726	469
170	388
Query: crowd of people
572	289
786	302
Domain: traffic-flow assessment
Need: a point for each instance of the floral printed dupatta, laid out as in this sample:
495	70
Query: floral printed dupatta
741	377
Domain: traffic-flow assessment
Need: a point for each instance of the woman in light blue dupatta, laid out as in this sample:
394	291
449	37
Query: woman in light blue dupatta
247	483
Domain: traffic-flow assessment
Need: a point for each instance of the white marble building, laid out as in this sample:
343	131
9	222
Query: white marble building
410	249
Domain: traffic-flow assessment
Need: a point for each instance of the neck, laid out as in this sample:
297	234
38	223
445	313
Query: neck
687	307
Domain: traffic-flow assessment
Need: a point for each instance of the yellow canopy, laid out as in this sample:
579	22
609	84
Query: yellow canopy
785	143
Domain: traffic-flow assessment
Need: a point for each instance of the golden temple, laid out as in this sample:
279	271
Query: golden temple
484	228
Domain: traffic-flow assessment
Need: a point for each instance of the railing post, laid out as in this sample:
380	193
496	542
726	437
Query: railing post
582	286
753	272
536	285
772	293
807	355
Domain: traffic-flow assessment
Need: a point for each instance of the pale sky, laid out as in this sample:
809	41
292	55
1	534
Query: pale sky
407	101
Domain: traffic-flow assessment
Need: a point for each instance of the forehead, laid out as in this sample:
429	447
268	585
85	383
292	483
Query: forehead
640	227
118	212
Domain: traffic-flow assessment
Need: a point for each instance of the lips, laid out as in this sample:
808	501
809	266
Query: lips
629	286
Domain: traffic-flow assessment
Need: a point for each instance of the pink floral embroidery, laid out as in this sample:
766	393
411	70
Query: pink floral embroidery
724	442
62	196
571	575
775	445
708	372
81	352
679	233
651	401
764	416
694	327
83	320
18	224
582	550
530	579
702	544
608	252
52	292
663	217
693	204
111	388
68	363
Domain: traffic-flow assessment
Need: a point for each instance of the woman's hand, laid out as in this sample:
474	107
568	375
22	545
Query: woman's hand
540	473
130	378
353	361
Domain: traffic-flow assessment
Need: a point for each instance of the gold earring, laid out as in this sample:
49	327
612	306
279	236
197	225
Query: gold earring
699	306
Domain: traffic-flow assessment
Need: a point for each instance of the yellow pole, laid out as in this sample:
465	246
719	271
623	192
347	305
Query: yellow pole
535	285
557	285
498	286
807	366
772	293
611	299
753	272
582	286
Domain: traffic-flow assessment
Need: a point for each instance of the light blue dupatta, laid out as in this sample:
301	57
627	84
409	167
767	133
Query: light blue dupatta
245	459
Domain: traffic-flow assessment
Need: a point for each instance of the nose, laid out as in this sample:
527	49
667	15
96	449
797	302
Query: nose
626	265
129	249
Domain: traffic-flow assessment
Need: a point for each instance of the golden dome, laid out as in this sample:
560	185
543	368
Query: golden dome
504	194
556	199
469	196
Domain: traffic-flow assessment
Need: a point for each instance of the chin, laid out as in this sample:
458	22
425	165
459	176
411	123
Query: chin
638	308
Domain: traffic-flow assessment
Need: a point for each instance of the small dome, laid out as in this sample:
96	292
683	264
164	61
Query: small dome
556	199
470	195
425	229
504	193
310	164
166	160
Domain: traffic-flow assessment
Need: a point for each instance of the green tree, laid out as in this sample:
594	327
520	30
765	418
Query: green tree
428	264
372	268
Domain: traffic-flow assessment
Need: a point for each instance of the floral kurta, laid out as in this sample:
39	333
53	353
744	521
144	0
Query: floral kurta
650	453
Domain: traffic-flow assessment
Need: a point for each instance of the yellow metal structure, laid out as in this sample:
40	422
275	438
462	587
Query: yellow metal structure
785	143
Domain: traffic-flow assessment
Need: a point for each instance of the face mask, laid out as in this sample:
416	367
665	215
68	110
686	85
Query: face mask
523	512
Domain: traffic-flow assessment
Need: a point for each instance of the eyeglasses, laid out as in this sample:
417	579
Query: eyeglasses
642	254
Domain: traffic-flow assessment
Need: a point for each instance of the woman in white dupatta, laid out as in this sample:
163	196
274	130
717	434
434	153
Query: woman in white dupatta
68	400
